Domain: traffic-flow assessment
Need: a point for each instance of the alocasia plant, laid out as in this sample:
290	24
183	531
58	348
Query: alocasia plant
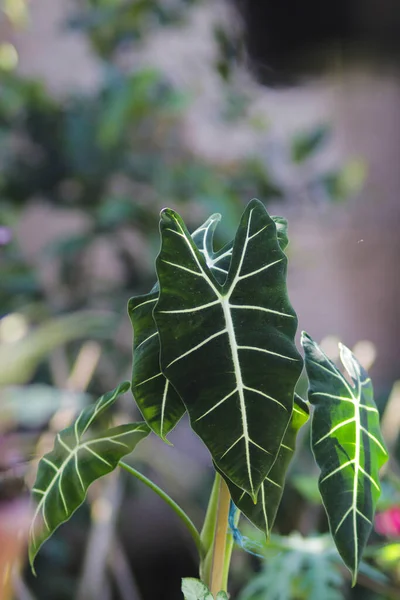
215	338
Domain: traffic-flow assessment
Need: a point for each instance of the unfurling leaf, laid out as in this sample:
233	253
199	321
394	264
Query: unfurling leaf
348	448
263	514
80	456
228	349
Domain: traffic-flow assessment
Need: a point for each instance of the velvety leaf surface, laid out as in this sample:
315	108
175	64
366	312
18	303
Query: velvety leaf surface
263	514
348	448
80	456
228	349
156	398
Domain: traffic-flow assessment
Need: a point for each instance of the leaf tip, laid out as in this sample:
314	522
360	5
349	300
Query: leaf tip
305	338
123	387
166	441
214	217
167	216
354	575
344	350
32	555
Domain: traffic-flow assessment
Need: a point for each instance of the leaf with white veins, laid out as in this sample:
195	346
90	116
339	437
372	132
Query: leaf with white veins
228	349
156	398
347	446
263	514
79	457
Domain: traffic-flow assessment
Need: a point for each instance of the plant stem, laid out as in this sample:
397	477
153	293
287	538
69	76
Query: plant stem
228	552
208	531
175	507
217	582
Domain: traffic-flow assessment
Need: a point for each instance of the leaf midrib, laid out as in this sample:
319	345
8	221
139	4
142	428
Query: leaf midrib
224	300
353	508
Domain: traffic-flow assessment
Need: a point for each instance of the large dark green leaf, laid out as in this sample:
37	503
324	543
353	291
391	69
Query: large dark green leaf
263	514
348	448
80	456
228	348
157	399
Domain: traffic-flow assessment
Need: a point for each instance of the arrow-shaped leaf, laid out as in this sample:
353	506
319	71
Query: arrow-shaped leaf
263	514
157	399
79	457
348	448
229	349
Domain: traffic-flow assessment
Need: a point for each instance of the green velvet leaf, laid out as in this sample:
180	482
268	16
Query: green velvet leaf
80	456
228	349
263	514
347	446
156	398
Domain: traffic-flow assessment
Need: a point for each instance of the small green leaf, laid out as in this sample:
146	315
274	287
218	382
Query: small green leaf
263	514
194	589
79	457
229	349
347	446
